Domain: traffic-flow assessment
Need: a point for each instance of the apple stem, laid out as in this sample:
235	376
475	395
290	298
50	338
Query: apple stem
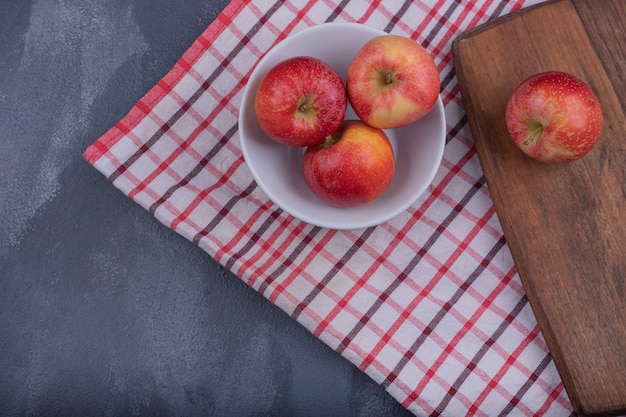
536	132
331	139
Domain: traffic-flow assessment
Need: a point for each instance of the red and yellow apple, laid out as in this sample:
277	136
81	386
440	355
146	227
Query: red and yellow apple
351	167
300	101
554	117
392	82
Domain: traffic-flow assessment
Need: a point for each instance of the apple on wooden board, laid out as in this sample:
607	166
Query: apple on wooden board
554	117
351	167
392	81
300	101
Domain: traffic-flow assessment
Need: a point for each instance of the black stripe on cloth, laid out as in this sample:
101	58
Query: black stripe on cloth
329	276
337	11
440	23
547	359
456	128
398	15
290	259
254	239
222	213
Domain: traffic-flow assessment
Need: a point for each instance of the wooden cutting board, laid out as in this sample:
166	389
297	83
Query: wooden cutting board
565	224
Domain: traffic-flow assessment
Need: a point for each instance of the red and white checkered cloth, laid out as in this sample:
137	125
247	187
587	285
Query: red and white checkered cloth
428	304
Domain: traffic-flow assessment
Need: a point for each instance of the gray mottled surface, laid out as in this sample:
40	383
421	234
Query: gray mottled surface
104	311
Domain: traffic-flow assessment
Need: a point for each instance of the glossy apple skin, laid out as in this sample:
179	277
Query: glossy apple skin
300	101
354	166
392	82
554	117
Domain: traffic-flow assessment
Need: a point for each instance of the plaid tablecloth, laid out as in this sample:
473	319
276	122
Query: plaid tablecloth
428	304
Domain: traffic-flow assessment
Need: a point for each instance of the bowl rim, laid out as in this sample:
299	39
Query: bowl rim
315	221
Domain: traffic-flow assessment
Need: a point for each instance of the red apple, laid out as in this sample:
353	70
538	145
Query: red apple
352	167
392	81
300	101
554	117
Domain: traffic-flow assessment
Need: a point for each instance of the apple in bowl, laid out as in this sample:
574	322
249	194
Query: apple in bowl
300	101
392	81
554	117
351	167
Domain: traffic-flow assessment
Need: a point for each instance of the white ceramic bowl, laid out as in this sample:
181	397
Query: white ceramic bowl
277	169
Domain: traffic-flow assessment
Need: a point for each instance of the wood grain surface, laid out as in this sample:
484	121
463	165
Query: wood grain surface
565	224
